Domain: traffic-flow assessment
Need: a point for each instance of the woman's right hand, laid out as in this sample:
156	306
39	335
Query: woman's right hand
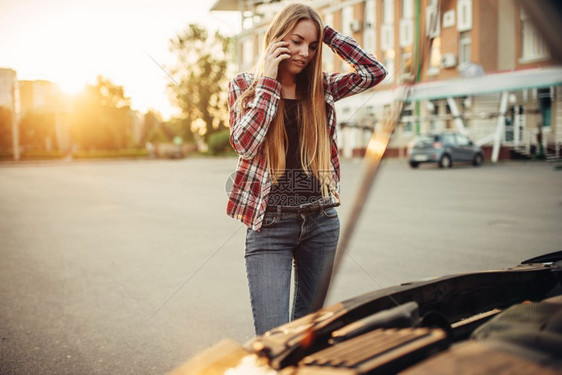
276	53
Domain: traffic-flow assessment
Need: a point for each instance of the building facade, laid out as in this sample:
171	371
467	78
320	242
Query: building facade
39	95
9	91
9	101
45	97
478	67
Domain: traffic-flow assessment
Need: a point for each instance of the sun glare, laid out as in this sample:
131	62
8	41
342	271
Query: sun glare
79	40
71	86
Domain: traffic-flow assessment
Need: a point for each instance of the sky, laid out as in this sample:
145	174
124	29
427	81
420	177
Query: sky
71	42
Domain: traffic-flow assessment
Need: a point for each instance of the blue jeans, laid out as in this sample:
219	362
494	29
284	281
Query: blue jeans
306	242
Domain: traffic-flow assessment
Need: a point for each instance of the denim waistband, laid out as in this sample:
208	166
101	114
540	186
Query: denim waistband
304	209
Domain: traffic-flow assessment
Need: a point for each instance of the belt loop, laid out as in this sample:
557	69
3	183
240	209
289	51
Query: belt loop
321	205
279	213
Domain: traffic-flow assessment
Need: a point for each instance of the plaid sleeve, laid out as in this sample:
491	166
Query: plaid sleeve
368	71
248	128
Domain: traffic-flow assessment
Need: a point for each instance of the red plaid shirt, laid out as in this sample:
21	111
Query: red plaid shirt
248	196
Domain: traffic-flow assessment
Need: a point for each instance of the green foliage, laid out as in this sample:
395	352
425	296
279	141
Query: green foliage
219	142
158	135
182	128
201	71
151	120
41	155
5	128
111	154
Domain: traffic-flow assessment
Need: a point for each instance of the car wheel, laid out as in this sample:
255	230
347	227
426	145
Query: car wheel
478	160
414	164
445	161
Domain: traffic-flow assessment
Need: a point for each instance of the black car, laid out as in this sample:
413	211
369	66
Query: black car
490	322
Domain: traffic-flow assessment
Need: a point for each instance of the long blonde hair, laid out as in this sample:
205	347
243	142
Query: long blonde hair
315	138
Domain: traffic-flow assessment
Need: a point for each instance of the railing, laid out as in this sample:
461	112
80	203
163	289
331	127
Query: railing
555	140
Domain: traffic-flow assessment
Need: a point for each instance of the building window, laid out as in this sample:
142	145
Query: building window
406	32
432	19
387	37
435	57
347	19
464	48
532	45
407	9
388	12
261	42
407	117
407	63
327	54
407	23
247	54
545	105
508	125
388	60
369	35
464	15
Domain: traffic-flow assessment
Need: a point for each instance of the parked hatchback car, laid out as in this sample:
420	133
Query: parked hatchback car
444	149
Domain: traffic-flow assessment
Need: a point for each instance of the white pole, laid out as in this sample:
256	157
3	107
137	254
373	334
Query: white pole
456	115
499	128
516	126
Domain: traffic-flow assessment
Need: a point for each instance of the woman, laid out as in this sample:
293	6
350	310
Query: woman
286	188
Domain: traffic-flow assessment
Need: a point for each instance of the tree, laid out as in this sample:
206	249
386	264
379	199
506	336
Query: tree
101	117
37	130
151	121
181	127
201	72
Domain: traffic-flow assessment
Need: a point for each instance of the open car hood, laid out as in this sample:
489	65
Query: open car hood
460	323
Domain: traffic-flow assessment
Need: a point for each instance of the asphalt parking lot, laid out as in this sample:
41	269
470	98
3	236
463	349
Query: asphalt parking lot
131	267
